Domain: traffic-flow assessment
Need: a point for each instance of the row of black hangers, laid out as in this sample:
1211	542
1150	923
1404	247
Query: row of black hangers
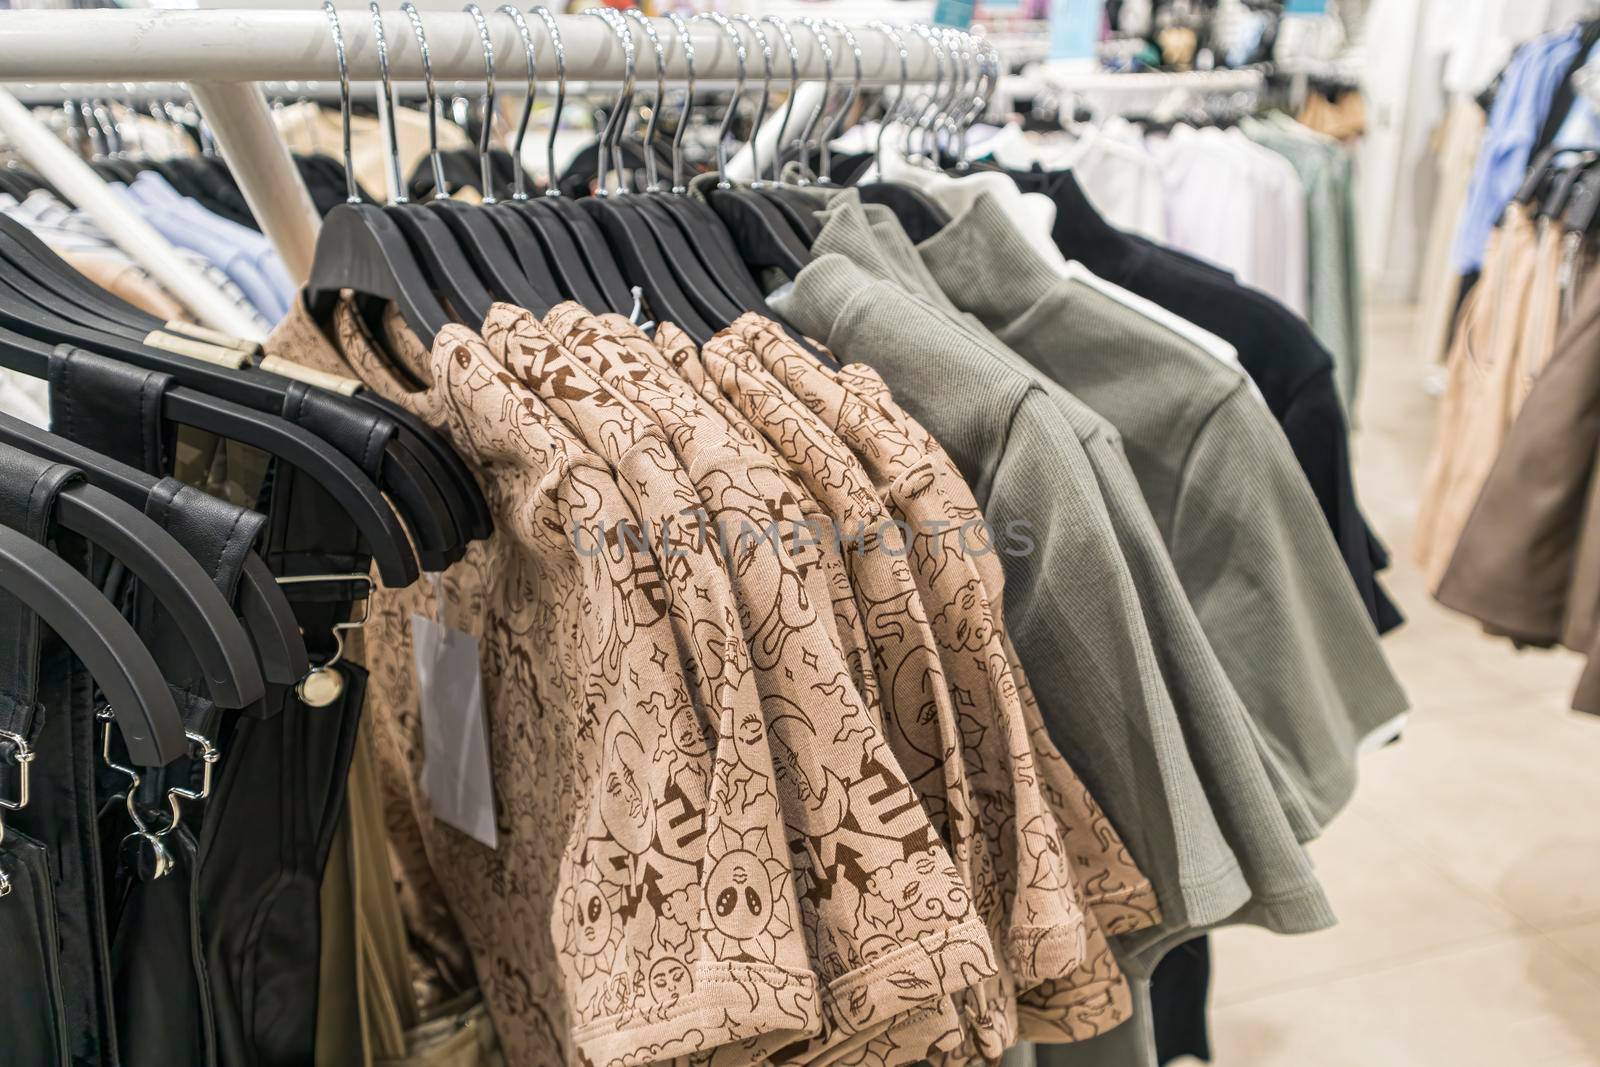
693	262
1564	184
419	512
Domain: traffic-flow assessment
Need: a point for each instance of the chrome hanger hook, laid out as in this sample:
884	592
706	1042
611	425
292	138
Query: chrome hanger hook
891	112
941	120
652	178
551	187
686	42
393	161
616	122
983	91
486	169
739	57
962	109
352	191
434	158
826	48
831	130
794	87
766	97
519	179
923	112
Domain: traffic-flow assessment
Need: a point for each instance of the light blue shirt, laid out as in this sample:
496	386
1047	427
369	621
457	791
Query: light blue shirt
246	256
1520	107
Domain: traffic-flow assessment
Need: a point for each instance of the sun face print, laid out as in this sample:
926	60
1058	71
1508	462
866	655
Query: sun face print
748	914
593	930
669	981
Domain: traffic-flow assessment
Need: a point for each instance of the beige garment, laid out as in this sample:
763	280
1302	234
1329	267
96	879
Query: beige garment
1119	897
458	1034
1044	939
1542	319
1480	394
796	665
310	128
818	740
1344	118
368	1013
1013	778
601	856
1455	152
1516	566
680	356
123	278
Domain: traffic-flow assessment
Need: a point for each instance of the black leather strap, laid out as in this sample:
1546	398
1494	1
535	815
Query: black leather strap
32	1014
112	407
116	409
219	535
28	490
361	434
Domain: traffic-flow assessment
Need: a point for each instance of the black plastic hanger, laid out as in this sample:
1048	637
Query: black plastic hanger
629	235
797	207
423	500
345	483
479	238
710	297
24	250
541	240
760	232
700	226
268	617
586	233
918	215
207	621
101	638
362	249
436	249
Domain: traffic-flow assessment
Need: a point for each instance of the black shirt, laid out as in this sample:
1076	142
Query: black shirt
1277	348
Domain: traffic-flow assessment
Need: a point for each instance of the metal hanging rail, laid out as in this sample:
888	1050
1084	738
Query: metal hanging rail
222	55
165	44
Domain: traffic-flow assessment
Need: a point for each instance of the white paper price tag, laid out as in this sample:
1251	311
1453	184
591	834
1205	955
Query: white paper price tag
455	732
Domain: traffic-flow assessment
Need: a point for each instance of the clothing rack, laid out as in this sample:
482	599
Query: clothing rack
1108	93
222	55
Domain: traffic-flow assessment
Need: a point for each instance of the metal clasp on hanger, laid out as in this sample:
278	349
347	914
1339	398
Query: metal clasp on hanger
22	753
322	685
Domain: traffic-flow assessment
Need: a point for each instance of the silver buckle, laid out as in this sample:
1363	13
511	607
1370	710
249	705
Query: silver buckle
23	755
320	686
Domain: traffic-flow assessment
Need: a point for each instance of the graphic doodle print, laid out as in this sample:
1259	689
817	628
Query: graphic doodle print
585	898
1120	899
922	724
890	924
674	351
733	834
1036	914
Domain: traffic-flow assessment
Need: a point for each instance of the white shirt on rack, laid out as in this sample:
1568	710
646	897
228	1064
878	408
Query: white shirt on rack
1121	180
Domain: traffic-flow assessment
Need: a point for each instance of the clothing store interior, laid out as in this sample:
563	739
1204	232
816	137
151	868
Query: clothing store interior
815	533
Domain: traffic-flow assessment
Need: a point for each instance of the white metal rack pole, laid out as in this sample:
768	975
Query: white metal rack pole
242	124
221	54
171	45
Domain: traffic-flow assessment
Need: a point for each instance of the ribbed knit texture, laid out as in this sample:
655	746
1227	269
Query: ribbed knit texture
1241	523
1201	691
1251	790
